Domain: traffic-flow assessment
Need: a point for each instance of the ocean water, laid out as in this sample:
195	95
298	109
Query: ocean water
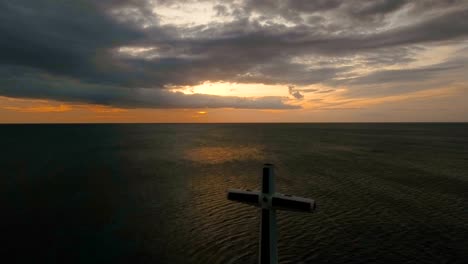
156	193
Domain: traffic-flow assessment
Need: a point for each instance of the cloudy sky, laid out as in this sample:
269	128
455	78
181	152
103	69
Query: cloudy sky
233	60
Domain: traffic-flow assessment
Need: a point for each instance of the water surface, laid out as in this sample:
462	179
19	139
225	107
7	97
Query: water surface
155	193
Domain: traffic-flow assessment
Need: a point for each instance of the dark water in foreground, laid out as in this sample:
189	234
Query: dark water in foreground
387	193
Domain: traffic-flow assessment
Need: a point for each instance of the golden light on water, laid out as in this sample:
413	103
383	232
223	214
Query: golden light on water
217	155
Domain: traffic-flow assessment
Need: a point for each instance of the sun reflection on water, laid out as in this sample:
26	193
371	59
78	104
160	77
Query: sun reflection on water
217	155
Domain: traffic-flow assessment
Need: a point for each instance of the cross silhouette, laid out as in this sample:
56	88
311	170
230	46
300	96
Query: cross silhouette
270	201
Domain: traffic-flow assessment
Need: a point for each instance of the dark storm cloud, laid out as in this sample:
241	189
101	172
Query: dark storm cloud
80	41
378	7
62	37
21	82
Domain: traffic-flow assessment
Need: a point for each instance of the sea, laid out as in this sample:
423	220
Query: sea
156	193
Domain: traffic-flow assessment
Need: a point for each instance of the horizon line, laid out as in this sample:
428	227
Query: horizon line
210	123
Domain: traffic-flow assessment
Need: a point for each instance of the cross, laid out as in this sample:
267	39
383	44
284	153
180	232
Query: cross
270	201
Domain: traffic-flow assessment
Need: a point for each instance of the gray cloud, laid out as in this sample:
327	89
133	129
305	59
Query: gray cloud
454	68
451	72
79	41
221	10
296	94
308	90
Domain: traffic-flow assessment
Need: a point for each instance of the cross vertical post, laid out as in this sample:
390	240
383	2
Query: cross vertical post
267	248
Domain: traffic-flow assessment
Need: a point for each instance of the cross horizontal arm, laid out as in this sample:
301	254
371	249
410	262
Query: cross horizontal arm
244	196
292	203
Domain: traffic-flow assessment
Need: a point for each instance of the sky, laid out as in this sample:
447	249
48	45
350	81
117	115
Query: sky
86	61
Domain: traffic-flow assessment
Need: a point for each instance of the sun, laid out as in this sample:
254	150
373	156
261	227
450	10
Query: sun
234	89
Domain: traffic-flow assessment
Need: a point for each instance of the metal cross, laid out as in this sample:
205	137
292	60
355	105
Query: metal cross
270	201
